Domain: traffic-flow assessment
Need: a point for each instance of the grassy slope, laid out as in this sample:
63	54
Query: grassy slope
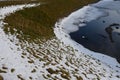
14	2
38	22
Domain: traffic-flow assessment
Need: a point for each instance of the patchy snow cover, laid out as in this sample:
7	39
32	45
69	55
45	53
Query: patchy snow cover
9	53
52	59
81	17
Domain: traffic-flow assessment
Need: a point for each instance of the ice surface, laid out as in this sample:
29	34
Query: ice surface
81	17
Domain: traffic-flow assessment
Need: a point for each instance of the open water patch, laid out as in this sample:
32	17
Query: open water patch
101	35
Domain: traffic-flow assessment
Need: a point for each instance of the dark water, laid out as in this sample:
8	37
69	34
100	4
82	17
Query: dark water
102	35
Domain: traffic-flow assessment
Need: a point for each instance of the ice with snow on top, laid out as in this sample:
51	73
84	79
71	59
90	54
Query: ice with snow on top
78	19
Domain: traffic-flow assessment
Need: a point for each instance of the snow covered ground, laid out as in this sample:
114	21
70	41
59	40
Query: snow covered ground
56	59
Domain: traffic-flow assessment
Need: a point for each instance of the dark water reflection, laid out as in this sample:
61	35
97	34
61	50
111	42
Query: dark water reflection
102	35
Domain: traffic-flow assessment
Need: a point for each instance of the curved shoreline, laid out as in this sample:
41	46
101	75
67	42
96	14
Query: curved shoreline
65	26
52	58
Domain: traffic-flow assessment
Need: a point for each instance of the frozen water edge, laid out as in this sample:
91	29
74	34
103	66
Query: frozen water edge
51	54
78	19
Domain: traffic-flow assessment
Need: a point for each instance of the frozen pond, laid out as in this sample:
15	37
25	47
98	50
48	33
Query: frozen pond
103	34
94	30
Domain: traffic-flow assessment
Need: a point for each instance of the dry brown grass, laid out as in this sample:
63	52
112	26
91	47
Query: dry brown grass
14	2
37	22
1	78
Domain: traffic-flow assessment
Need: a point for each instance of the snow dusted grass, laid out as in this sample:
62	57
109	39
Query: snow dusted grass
53	59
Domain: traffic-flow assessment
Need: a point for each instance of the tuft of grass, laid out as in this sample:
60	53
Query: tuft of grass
38	22
33	71
20	77
2	71
1	78
12	70
51	71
